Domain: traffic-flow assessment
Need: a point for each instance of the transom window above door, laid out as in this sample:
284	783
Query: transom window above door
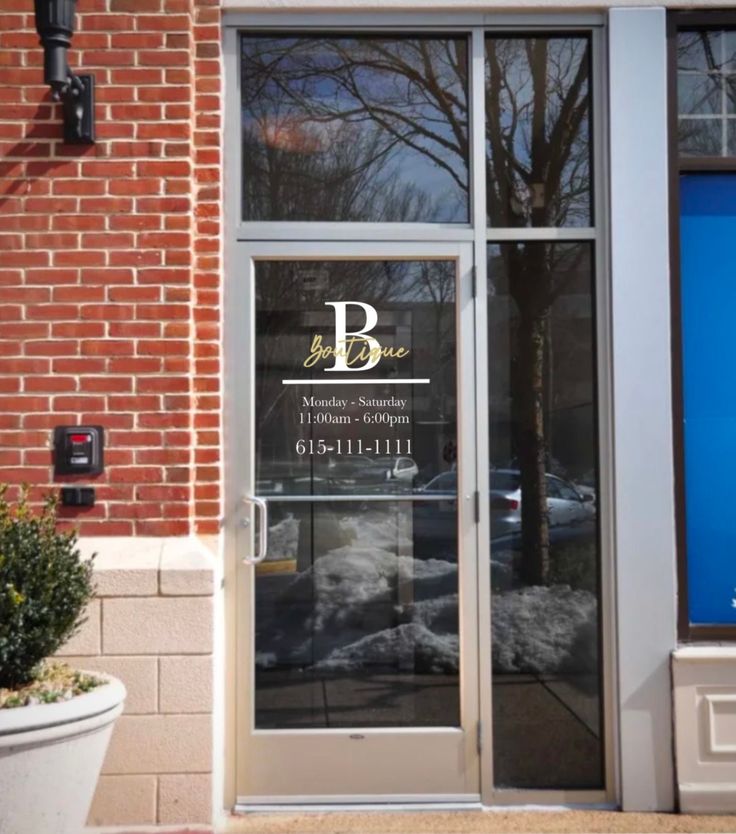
355	128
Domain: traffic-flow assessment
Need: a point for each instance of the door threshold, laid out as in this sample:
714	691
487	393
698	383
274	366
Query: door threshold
325	804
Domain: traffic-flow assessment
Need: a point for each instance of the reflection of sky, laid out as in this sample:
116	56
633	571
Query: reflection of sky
311	92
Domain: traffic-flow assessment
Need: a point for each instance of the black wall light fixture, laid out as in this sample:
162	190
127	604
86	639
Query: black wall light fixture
55	26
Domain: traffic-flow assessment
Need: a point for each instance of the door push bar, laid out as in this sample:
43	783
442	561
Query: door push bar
262	508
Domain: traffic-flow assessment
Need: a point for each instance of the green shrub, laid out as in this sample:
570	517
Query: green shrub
44	587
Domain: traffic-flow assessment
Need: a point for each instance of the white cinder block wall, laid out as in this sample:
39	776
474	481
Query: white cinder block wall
151	625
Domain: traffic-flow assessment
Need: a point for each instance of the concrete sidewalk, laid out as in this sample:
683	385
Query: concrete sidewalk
475	822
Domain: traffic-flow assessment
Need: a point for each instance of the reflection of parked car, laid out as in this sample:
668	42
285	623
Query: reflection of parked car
355	473
565	505
442	484
399	469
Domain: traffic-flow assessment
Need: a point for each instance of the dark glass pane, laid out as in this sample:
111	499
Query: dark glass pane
700	137
698	93
356	616
538	131
366	433
547	708
731	137
730	82
355	128
706	85
700	50
729	50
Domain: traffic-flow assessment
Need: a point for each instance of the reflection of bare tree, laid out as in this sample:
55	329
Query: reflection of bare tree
350	128
537	127
706	87
538	274
537	130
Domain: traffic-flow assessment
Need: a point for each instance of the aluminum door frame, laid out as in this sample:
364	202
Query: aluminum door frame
240	375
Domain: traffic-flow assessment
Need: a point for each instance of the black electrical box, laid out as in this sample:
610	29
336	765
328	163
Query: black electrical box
78	450
78	496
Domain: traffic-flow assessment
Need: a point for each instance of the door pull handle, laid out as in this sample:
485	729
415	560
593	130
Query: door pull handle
262	531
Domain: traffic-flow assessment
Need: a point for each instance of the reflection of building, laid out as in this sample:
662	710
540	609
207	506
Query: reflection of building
556	251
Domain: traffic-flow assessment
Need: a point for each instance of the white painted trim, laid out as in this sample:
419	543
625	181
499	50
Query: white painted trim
448	10
644	470
709	654
704	798
340	234
420	15
413	802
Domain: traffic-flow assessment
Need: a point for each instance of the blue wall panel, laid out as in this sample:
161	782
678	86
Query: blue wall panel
708	276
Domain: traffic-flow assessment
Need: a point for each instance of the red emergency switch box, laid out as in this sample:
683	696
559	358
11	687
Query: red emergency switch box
78	450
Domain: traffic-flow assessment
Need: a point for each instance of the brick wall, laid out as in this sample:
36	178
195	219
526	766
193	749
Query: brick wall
110	262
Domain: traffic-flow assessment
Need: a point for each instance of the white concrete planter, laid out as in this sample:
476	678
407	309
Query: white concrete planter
50	758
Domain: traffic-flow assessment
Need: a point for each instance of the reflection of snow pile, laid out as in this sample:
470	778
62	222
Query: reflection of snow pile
360	605
380	529
265	660
439	613
283	539
425	651
544	630
350	577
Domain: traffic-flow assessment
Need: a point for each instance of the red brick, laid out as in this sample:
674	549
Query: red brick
107	312
133	294
78	366
79	259
163	420
77	293
78	330
131	403
162	385
161	528
135	329
25	439
107	276
109	347
162	493
51	384
48	312
163	348
78	403
52	348
164	457
106	384
137	509
135	474
136	365
135	438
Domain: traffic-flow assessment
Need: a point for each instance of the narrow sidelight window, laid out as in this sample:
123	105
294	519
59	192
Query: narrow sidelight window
538	149
547	710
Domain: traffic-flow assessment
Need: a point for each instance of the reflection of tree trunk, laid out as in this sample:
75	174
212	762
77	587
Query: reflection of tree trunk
532	448
530	284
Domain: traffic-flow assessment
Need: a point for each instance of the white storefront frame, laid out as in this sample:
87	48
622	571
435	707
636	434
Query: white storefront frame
621	319
642	372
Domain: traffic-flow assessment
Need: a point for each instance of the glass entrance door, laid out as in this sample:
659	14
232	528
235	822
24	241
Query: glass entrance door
357	645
